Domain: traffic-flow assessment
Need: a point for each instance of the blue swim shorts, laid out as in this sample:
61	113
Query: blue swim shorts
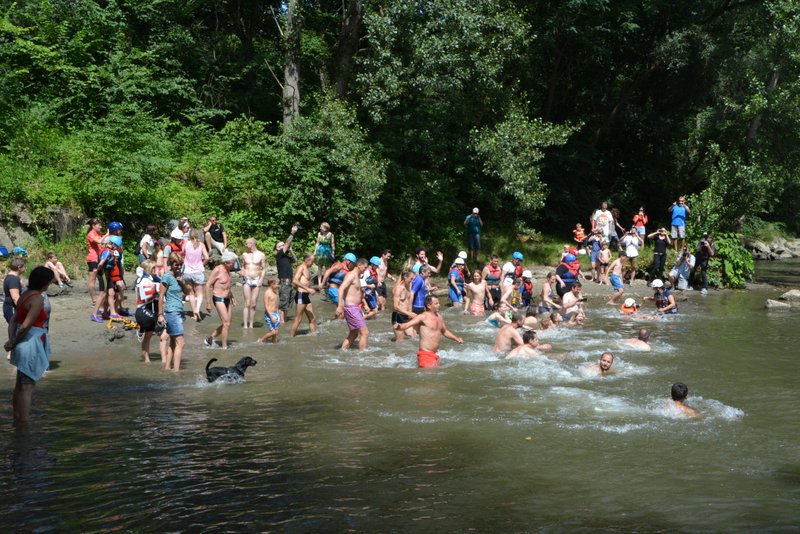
616	282
273	321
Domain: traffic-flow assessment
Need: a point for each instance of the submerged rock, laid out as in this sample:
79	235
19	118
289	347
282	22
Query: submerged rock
777	305
793	295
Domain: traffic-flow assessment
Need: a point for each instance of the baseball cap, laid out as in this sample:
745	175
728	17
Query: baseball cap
475	210
350	257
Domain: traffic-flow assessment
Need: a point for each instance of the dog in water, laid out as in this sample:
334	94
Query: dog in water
237	371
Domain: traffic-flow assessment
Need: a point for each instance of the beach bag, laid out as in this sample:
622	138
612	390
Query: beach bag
146	317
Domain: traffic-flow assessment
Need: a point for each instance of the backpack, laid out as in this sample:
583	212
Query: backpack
111	261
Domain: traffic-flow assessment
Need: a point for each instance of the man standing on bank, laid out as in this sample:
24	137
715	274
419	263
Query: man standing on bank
474	224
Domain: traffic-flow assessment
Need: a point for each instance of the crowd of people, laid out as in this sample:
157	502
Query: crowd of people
171	286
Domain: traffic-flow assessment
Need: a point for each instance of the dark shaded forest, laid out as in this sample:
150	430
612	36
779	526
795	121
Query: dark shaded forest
396	118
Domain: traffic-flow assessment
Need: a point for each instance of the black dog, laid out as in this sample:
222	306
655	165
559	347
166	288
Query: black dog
212	373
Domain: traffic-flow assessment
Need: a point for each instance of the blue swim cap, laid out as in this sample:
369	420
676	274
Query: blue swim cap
570	258
416	267
350	257
517	255
375	260
116	240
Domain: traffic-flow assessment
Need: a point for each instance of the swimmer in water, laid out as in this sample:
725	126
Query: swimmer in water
529	347
642	342
603	367
500	317
508	337
679	393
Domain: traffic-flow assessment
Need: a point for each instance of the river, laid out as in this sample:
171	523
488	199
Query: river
322	440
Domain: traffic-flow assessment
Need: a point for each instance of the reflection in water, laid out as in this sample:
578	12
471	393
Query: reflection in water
319	439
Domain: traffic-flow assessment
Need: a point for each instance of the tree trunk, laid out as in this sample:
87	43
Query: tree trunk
291	67
348	45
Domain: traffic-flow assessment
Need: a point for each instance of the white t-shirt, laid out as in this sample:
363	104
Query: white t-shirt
604	220
509	273
631	245
147	241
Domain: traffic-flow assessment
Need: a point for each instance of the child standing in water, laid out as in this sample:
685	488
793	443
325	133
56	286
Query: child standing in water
271	316
325	249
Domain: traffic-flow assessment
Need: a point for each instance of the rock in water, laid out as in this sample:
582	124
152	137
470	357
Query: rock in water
777	305
793	295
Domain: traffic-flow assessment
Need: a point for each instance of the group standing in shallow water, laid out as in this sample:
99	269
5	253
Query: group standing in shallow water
174	273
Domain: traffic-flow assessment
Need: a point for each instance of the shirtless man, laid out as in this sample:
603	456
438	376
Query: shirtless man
349	307
603	366
271	316
679	393
401	304
302	283
431	329
254	263
477	293
572	301
528	349
546	304
642	342
383	274
219	284
508	335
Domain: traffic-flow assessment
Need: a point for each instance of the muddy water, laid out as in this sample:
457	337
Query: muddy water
317	439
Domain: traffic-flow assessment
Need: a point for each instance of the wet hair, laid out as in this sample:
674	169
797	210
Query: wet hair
272	282
516	318
407	272
51	255
40	277
555	316
360	262
528	335
644	334
429	300
531	312
679	391
550	275
18	264
546	322
609	353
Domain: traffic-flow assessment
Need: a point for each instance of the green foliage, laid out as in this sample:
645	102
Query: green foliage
512	153
733	264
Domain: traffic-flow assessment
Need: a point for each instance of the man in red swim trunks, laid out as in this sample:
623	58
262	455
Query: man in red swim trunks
349	307
431	330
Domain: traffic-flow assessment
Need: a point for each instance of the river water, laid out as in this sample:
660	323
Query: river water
321	440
